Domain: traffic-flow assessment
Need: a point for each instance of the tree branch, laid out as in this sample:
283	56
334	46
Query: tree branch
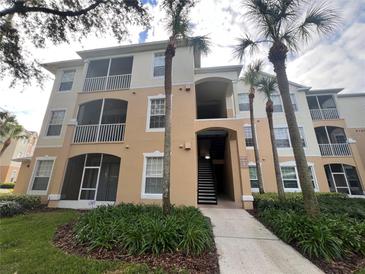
19	7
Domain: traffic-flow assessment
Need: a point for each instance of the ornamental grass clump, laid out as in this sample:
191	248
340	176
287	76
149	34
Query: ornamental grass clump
143	229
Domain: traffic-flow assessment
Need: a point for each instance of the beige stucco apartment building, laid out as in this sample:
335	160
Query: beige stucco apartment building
18	148
102	136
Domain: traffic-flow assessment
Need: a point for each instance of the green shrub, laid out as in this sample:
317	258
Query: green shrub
7	185
139	229
26	201
338	231
10	208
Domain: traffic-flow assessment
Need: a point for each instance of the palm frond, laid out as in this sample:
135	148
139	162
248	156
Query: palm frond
177	19
252	73
201	43
244	44
267	85
290	39
323	19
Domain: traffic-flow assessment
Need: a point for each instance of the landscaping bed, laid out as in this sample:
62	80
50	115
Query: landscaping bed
26	247
182	241
13	204
334	241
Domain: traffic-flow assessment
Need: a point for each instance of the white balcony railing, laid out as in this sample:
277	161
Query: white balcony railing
324	114
99	133
112	82
342	149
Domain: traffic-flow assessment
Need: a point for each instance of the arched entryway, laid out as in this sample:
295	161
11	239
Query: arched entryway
218	166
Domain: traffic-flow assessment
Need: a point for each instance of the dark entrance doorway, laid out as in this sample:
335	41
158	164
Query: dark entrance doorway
214	167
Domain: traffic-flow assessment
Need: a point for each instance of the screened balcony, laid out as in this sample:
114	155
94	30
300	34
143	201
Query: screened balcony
322	107
108	74
332	141
101	121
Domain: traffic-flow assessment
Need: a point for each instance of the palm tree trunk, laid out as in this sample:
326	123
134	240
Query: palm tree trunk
277	56
5	146
169	55
279	182
256	151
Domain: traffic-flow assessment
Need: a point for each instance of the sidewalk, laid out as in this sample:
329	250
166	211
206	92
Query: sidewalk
246	246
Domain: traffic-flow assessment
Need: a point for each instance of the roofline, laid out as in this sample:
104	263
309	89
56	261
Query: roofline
126	49
53	66
300	87
22	159
234	68
355	94
324	90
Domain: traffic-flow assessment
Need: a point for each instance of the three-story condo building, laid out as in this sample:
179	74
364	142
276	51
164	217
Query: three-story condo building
102	136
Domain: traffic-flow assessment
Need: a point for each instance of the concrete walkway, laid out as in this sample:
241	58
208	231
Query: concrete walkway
246	246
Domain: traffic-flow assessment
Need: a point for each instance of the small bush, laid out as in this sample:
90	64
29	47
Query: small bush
7	185
139	229
28	202
10	208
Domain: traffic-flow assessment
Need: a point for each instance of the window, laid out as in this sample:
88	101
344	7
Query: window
289	176
153	178
67	80
311	173
253	177
277	103
41	175
110	67
243	102
55	123
282	137
248	136
156	115
294	101
13	176
159	64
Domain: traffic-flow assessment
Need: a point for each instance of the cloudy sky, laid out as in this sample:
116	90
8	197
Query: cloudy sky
334	61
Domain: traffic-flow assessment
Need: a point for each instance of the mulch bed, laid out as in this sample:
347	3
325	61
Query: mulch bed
170	262
348	265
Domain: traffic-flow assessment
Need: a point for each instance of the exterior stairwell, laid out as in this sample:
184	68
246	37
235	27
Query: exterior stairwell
207	193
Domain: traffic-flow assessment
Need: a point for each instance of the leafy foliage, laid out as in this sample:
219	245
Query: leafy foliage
28	202
10	208
139	229
39	22
286	22
338	231
7	185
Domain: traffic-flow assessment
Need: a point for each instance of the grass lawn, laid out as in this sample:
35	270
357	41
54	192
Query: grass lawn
26	247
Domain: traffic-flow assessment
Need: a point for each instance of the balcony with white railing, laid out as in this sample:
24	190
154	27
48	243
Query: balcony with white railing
340	149
324	114
107	83
103	133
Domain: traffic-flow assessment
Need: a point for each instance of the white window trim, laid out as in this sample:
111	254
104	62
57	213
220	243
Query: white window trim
290	144
257	142
30	184
299	189
60	82
254	189
45	136
282	105
145	195
238	102
150	98
153	66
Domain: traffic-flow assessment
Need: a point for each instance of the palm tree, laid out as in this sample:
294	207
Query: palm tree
9	129
178	26
268	85
250	78
283	24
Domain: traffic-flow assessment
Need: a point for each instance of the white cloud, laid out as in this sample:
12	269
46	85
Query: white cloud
338	61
